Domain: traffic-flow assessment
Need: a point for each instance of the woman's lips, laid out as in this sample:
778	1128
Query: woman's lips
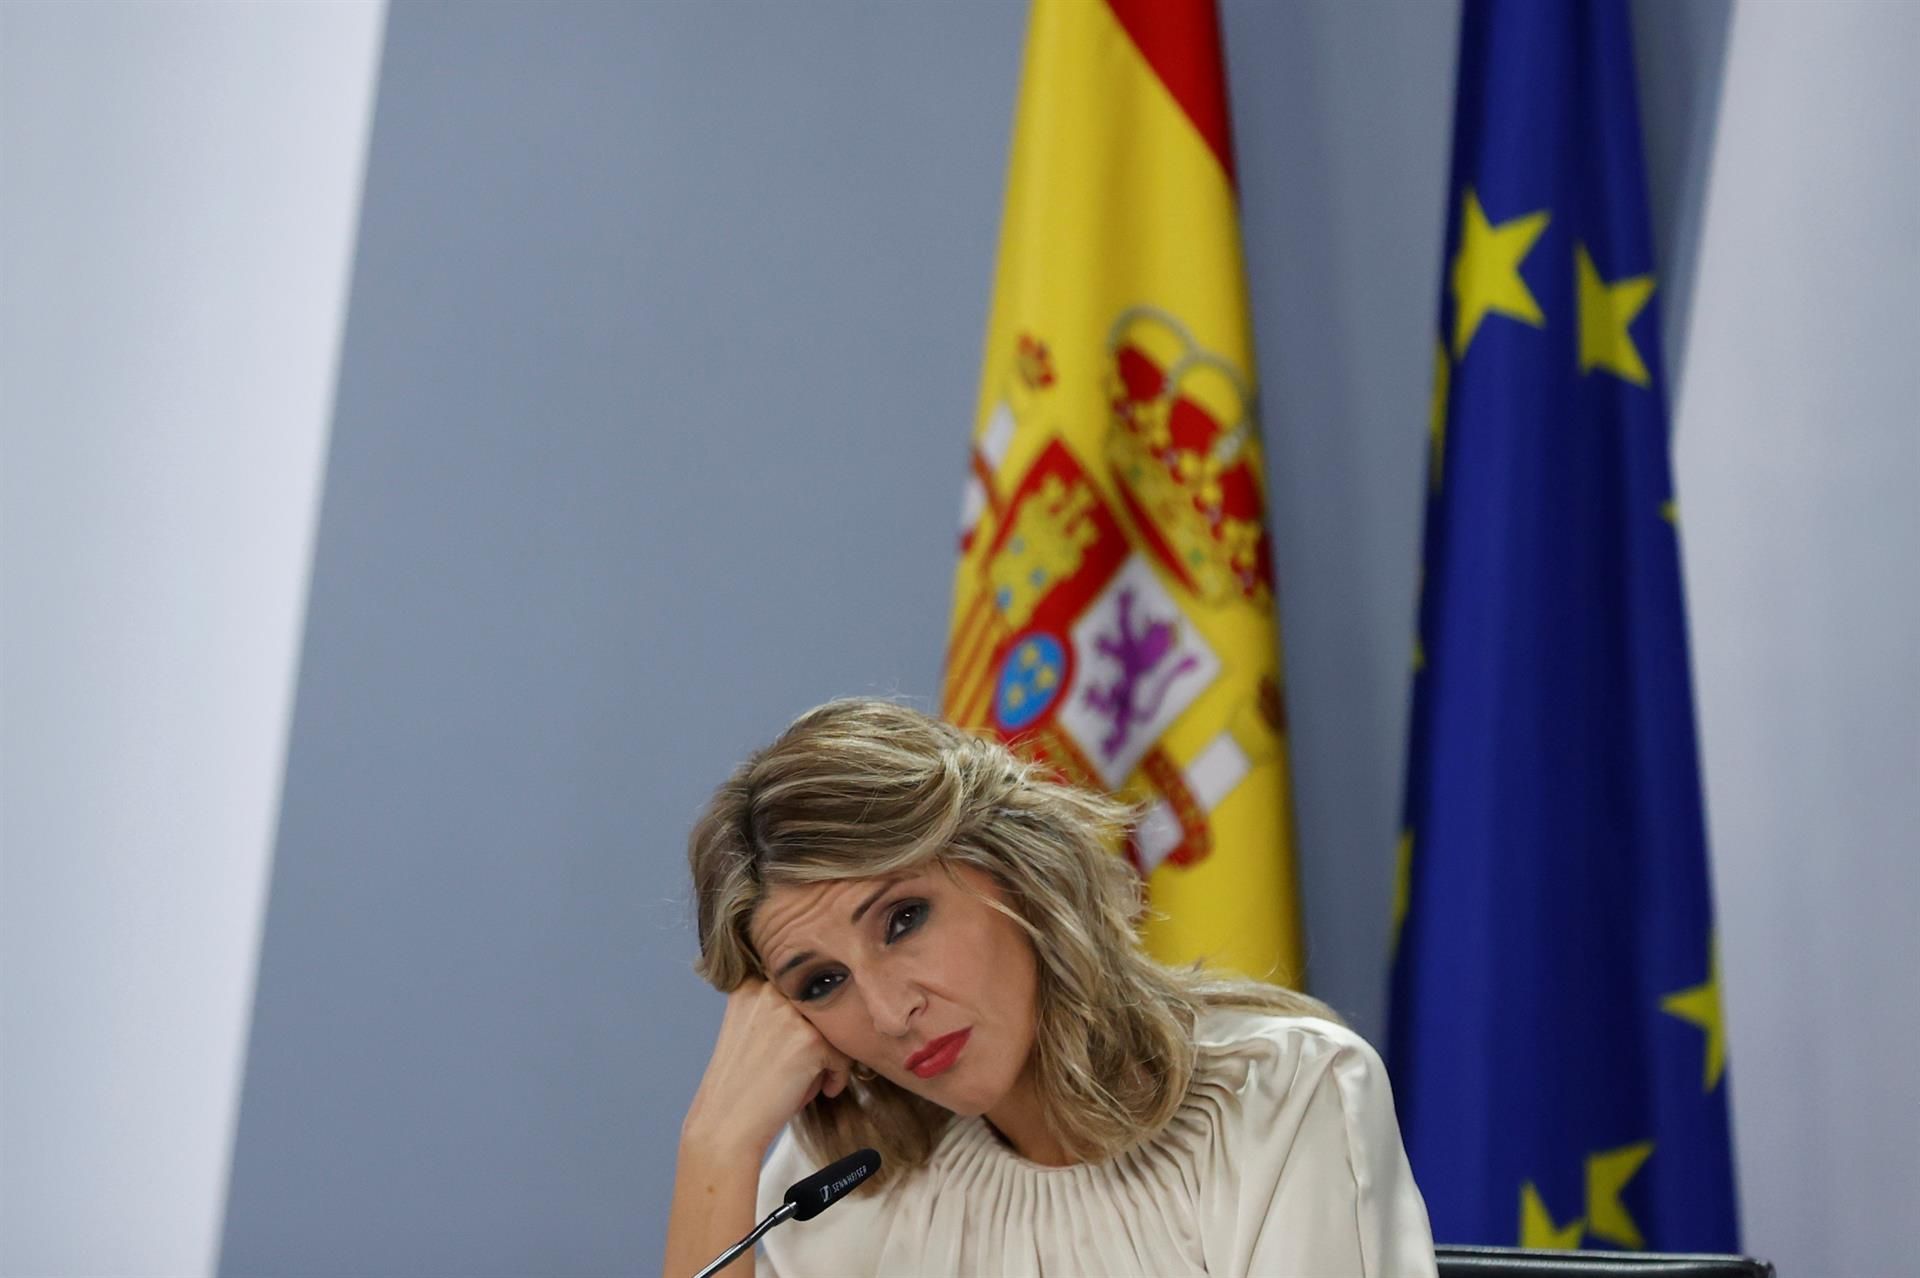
938	1056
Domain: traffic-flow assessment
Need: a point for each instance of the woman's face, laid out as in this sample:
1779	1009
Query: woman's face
913	976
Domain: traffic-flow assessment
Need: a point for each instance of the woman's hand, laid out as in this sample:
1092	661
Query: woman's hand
768	1063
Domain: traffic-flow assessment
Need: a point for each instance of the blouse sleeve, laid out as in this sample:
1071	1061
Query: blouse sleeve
1306	1173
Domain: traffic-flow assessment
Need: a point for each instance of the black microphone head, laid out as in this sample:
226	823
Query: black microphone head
831	1183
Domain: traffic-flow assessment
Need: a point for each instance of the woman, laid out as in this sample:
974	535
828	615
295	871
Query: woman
928	947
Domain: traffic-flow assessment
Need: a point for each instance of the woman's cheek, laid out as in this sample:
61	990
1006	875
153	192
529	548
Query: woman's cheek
832	1024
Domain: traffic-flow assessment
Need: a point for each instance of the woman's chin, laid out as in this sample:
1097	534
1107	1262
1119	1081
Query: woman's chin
965	1102
961	1108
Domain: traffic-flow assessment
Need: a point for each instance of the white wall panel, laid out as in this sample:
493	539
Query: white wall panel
1798	461
179	185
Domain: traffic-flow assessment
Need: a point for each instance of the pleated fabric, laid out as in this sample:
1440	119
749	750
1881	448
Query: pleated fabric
1284	1159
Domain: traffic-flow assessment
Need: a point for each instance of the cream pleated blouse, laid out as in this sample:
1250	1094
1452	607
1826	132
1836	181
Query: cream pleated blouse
1284	1159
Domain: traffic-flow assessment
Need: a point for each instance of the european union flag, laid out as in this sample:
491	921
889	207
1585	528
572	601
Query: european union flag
1556	1035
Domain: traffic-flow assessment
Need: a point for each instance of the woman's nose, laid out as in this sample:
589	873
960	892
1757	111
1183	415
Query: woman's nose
893	1006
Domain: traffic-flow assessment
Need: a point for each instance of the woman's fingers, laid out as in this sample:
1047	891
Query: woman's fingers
768	1063
838	1069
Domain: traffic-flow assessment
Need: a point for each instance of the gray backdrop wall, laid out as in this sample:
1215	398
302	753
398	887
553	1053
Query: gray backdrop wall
659	364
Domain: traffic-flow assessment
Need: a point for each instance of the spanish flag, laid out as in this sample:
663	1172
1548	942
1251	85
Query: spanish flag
1113	605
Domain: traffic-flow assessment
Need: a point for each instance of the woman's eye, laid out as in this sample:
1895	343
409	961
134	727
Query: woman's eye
906	918
820	986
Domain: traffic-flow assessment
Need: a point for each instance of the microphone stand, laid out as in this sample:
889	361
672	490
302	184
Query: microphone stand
731	1254
806	1199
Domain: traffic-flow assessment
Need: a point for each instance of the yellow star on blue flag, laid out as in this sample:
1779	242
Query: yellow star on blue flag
1486	271
1605	312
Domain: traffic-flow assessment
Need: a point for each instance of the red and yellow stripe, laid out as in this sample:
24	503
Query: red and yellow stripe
1120	195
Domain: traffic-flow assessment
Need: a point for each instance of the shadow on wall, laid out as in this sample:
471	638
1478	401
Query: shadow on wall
1681	50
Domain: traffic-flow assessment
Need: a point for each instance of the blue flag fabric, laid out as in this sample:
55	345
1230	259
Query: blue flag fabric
1556	1037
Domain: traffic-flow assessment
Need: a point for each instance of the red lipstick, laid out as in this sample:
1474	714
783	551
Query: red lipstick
938	1056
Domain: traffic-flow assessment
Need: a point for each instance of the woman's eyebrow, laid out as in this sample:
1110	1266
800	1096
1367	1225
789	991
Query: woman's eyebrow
792	963
885	886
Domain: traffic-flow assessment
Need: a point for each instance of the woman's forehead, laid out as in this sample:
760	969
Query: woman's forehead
795	909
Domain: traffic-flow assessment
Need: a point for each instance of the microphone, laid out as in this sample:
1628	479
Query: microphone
805	1199
831	1183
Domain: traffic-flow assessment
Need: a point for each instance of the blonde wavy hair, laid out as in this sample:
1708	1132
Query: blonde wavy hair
863	788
